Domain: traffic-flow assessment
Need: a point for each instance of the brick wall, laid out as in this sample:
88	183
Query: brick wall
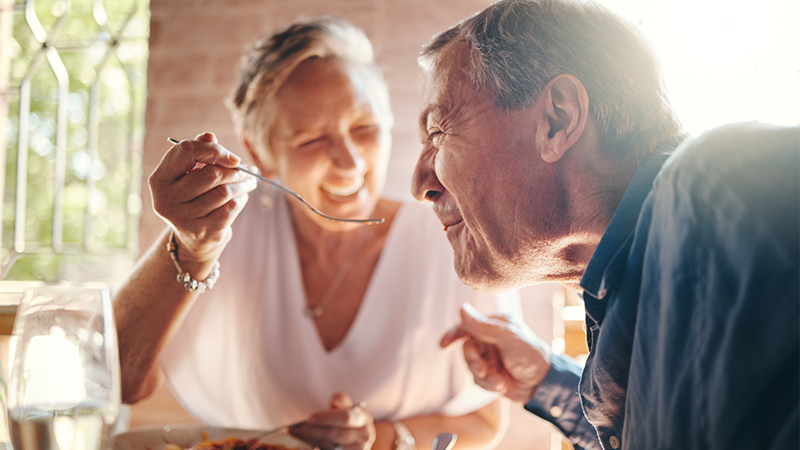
194	56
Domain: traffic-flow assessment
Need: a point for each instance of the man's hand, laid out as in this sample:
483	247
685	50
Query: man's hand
503	354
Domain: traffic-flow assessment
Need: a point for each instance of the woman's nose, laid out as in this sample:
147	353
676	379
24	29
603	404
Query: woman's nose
346	154
425	185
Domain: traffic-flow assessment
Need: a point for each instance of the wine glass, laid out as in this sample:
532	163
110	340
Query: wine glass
64	385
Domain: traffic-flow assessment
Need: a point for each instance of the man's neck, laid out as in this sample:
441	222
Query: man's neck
595	188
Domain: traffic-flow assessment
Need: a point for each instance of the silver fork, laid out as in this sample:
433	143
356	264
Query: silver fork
263	434
297	196
266	433
444	441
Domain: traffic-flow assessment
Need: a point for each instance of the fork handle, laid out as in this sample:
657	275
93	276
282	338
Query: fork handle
444	441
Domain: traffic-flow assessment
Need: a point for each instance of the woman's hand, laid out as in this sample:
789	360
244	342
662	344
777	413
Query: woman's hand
197	190
344	426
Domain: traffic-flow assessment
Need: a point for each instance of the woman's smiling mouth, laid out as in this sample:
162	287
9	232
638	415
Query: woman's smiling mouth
344	191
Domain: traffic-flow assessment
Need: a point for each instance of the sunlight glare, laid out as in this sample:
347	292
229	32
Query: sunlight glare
724	61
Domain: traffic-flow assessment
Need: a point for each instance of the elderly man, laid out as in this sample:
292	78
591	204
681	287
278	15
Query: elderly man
551	154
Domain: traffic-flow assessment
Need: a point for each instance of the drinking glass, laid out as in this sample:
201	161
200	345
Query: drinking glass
64	385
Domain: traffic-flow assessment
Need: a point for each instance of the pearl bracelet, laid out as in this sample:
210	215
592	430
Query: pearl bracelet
185	278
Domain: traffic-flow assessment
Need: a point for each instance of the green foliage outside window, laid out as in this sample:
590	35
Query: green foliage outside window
103	46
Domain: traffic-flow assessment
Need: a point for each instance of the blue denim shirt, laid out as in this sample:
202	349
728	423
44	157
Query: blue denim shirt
692	300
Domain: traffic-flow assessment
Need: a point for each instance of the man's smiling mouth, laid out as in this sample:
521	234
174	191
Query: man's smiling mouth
452	224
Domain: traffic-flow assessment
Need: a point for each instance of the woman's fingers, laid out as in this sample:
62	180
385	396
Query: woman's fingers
209	188
185	156
197	189
206	137
183	191
326	436
326	433
355	417
340	400
349	426
223	216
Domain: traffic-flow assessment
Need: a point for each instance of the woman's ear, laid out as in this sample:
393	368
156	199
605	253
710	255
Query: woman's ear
255	156
565	105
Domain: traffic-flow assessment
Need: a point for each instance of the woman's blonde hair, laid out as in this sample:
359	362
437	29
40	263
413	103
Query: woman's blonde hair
270	61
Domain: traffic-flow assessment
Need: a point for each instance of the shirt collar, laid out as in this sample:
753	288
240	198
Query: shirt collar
601	271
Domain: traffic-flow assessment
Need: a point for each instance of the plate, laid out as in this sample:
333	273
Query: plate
185	436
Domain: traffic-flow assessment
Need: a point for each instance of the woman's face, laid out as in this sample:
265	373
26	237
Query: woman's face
328	141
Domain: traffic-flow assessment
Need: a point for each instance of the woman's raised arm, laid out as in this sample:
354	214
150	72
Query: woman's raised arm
199	194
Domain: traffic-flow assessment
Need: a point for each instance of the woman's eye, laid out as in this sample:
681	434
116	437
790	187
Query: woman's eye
308	142
369	128
362	132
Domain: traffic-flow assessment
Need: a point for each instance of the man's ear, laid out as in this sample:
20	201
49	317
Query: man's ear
565	105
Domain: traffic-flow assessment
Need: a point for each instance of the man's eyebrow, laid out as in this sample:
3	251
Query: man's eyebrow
423	115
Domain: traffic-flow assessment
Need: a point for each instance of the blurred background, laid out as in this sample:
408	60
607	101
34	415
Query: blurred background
91	89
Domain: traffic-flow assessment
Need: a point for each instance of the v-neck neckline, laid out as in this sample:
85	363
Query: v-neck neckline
366	302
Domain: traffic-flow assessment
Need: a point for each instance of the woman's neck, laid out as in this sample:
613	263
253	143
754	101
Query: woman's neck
329	245
336	267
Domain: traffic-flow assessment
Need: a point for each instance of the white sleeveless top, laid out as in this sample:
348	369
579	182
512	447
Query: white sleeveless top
246	356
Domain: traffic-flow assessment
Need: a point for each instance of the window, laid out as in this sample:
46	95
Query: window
72	77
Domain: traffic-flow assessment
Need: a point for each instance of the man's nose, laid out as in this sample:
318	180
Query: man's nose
425	185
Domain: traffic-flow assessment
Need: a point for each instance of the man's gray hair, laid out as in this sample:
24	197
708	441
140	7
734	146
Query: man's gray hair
270	61
517	46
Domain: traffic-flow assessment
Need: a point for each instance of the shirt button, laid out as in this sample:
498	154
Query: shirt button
556	411
614	442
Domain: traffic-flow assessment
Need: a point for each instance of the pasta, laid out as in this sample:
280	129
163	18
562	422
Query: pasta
229	443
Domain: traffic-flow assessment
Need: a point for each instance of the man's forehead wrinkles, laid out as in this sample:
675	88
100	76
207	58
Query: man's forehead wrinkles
437	107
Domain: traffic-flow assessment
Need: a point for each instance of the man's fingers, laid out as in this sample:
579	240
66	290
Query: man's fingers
493	382
480	326
473	321
453	335
475	356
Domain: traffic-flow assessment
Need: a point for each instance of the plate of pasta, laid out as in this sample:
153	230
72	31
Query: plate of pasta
202	437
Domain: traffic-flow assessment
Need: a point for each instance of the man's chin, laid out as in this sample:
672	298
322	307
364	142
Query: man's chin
483	279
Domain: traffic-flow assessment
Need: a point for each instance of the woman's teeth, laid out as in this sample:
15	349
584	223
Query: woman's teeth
344	191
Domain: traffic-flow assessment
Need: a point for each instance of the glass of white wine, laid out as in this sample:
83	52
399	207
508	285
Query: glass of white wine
64	385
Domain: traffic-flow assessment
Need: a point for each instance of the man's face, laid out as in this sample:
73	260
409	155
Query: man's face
498	201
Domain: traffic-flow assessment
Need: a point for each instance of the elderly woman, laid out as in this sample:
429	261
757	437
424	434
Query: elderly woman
308	314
